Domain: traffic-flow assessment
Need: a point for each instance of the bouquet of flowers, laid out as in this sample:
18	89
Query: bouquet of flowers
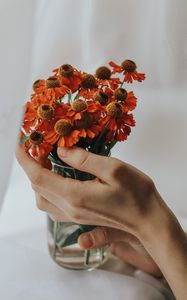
72	107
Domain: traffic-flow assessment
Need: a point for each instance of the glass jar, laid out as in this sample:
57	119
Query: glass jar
63	236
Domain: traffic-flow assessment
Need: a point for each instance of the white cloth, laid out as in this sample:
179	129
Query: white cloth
16	19
37	36
88	33
28	273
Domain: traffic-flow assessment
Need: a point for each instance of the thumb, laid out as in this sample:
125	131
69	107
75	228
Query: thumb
101	236
88	162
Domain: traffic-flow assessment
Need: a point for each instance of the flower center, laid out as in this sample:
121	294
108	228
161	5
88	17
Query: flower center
101	97
37	84
128	66
79	105
114	109
45	111
103	73
85	121
36	138
66	70
88	81
52	82
120	94
63	127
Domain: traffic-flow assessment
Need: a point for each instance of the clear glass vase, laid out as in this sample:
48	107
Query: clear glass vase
63	236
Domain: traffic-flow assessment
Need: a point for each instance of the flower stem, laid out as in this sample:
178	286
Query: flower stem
87	253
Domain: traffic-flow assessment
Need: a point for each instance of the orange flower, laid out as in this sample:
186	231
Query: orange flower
69	77
87	126
79	106
101	106
130	102
30	116
112	83
63	134
73	82
36	145
103	75
117	122
88	87
53	89
121	133
41	98
43	116
87	94
129	70
38	84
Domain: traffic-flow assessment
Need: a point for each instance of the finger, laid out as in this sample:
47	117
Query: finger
52	182
128	254
102	236
74	215
44	205
100	166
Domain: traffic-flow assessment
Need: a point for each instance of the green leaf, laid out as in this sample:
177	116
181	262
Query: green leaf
24	140
70	240
86	228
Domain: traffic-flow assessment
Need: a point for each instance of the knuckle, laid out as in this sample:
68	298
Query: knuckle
117	169
149	186
83	160
105	235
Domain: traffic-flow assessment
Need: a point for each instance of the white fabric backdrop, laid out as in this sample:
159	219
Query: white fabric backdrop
87	33
37	36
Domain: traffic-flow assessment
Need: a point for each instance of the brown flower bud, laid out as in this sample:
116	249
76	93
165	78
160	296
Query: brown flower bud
63	127
66	70
114	109
101	97
38	83
103	73
88	81
36	138
120	94
128	66
52	82
79	105
45	112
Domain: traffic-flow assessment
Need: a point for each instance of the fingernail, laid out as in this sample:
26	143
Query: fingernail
62	151
86	241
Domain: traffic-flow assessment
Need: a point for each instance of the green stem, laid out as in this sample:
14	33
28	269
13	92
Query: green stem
101	135
87	253
122	83
76	96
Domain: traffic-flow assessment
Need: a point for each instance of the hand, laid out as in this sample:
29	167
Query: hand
121	196
123	245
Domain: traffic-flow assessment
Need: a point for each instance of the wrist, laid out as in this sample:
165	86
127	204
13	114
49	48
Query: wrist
166	242
159	223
